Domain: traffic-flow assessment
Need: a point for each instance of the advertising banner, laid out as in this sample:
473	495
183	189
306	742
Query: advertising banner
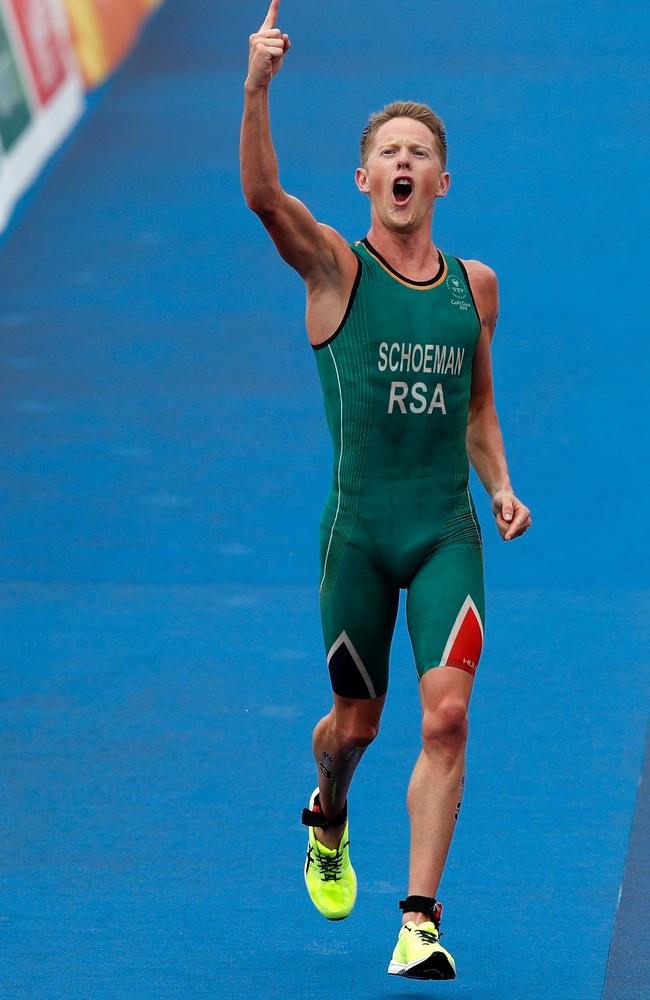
48	50
42	45
41	93
15	114
104	32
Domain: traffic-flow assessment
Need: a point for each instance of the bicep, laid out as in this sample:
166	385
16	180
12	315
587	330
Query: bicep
482	390
299	238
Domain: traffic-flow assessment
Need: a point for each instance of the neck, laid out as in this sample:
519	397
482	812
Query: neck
413	254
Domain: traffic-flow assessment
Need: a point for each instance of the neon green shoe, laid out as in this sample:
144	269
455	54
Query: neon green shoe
329	875
419	955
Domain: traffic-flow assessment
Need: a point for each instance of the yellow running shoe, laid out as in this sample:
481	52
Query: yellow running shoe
329	875
419	955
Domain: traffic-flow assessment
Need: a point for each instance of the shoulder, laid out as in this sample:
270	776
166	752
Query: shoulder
485	289
480	275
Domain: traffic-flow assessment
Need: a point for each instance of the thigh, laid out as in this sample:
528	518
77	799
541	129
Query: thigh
445	609
358	611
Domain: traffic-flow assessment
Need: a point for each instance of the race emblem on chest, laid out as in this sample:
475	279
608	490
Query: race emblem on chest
458	291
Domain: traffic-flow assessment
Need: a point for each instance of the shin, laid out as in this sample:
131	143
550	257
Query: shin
436	786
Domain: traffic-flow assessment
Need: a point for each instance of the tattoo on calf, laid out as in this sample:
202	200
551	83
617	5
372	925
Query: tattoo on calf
325	765
460	797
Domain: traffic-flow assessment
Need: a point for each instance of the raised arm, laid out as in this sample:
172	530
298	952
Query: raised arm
484	441
317	252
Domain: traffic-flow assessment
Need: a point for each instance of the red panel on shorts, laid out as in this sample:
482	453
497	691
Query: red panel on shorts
466	649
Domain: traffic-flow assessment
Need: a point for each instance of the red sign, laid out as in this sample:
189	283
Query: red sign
42	45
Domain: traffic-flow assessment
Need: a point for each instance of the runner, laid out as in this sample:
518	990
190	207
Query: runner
401	334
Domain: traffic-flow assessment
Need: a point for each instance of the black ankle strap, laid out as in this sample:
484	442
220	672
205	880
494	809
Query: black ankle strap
316	817
422	904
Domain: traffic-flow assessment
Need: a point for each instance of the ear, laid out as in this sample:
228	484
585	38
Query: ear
361	179
443	184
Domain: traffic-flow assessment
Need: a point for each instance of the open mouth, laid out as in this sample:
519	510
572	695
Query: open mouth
402	190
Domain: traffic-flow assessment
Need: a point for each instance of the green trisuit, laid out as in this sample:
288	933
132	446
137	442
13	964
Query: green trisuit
396	379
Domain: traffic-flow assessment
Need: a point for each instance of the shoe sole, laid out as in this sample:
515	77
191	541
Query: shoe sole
436	966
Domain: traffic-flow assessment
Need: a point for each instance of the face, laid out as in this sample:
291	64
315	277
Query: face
403	175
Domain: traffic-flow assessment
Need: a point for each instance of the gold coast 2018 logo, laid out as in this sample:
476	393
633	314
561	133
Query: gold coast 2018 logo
458	292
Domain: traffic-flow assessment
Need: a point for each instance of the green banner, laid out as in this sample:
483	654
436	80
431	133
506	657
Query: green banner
15	115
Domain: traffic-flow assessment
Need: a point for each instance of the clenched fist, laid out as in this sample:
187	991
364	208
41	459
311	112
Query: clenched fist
267	50
513	517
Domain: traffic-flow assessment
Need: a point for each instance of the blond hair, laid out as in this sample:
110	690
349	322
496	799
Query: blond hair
405	109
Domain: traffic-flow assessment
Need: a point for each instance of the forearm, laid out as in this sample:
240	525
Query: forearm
259	164
486	451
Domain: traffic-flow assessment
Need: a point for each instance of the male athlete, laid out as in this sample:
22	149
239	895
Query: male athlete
401	334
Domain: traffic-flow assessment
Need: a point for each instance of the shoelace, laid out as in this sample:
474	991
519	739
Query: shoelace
429	937
330	868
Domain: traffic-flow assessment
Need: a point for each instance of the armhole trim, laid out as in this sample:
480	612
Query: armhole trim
353	295
469	285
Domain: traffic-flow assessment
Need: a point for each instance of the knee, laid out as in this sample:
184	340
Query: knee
445	725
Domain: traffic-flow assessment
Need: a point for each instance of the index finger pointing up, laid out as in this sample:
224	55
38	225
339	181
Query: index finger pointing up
272	15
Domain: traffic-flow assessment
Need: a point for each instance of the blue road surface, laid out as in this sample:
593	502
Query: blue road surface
628	969
165	462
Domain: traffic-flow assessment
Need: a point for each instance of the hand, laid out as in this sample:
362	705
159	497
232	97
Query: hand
513	517
268	48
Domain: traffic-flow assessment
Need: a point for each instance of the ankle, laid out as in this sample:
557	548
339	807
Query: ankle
331	830
416	918
331	837
420	909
